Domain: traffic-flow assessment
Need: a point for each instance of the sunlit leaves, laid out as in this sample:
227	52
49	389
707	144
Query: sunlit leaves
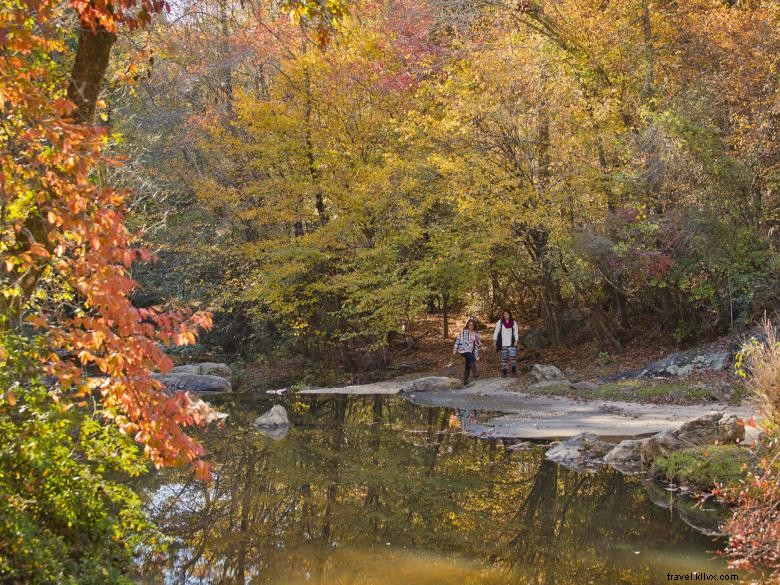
66	251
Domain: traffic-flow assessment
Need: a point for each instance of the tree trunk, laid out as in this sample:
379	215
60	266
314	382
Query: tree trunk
551	300
620	302
86	78
226	66
599	322
314	174
649	142
89	69
246	506
647	37
494	287
445	315
552	303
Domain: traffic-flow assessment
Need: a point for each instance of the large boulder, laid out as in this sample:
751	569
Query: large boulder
432	384
660	445
753	435
275	417
700	431
580	452
205	369
681	363
731	429
626	456
197	383
542	373
714	427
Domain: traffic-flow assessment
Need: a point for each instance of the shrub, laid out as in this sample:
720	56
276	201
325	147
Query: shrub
754	528
760	362
65	515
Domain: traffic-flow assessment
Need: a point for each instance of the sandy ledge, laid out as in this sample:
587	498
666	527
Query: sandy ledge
523	416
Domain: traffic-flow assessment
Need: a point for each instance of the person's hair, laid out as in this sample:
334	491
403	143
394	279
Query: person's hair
472	321
511	318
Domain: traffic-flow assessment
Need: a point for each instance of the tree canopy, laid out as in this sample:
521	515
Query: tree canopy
614	160
313	178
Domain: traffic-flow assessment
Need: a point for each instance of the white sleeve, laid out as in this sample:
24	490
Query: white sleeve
496	331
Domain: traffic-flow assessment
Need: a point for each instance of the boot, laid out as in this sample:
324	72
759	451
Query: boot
466	374
514	371
503	372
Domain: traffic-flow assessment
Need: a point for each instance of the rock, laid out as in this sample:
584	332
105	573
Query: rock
675	370
626	456
432	384
550	384
730	429
753	435
199	384
714	427
660	445
722	392
715	360
682	363
275	433
541	373
579	452
585	386
205	369
276	417
521	446
205	411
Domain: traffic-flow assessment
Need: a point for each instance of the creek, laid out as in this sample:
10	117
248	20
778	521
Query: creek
374	490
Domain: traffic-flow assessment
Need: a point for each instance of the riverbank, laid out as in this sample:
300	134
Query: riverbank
503	411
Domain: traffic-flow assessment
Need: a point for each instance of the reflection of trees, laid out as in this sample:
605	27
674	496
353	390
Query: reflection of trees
360	473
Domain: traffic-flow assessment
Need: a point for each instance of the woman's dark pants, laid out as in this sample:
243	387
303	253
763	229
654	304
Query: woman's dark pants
470	365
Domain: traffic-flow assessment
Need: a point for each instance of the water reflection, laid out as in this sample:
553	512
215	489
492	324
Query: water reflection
374	490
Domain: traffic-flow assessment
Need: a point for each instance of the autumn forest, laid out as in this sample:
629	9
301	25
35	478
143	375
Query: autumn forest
313	189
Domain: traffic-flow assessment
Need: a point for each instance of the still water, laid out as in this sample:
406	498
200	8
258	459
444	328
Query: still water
376	491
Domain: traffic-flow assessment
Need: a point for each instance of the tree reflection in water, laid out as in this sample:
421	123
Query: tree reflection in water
374	490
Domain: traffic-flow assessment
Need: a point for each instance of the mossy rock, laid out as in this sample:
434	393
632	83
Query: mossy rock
703	467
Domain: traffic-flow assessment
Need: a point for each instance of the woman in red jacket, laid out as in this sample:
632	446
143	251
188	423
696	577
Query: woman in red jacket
506	336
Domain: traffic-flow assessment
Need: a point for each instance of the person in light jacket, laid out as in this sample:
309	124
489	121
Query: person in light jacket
468	344
506	336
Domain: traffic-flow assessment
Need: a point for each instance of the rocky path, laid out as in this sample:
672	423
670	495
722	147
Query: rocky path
387	387
498	410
